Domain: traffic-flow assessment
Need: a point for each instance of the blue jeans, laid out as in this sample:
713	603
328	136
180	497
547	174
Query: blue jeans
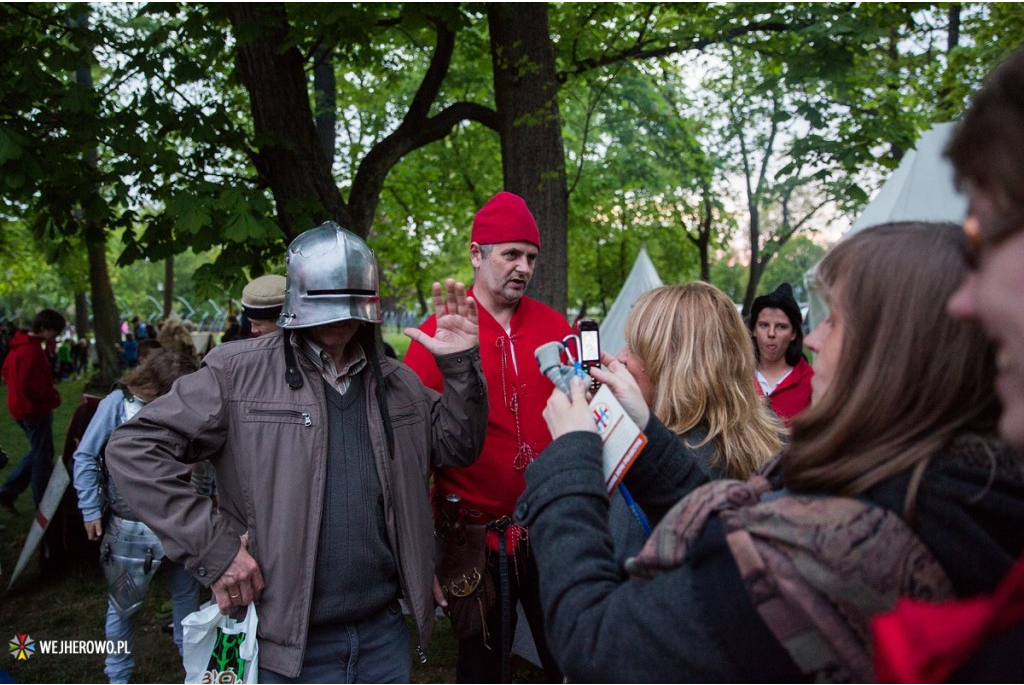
374	650
36	466
184	591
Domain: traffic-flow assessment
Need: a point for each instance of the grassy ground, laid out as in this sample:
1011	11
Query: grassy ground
400	341
73	605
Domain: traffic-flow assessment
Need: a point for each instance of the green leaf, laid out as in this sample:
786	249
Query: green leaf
10	147
241	227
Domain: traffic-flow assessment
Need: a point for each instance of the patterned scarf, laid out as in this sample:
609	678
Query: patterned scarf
817	568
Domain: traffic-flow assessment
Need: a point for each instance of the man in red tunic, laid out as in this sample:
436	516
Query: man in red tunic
504	246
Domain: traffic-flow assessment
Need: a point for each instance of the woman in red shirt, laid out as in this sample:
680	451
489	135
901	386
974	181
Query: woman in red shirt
783	375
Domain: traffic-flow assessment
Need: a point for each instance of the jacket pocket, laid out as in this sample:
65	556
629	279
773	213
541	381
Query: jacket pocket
264	413
406	417
413	443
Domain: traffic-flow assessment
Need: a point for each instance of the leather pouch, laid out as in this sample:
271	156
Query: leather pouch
467	585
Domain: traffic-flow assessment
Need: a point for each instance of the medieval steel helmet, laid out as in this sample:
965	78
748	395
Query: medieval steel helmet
332	276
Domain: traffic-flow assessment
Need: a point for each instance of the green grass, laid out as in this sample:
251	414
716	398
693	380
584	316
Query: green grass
400	341
73	606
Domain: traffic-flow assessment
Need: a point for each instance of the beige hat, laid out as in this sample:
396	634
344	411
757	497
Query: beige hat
263	297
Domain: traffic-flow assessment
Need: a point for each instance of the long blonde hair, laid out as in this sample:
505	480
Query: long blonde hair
697	354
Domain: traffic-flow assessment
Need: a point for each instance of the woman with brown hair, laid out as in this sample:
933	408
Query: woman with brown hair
894	484
130	553
690	354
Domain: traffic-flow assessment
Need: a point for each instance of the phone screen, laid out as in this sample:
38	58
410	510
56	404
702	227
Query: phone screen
591	346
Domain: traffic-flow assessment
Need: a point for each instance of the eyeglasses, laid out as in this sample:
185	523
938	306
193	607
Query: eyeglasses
976	244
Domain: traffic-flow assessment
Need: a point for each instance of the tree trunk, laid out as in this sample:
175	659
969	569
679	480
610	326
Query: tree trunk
291	162
104	309
105	316
953	32
325	93
532	153
81	313
948	105
168	286
704	233
755	257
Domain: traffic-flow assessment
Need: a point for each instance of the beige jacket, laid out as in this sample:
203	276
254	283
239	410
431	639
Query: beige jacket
268	444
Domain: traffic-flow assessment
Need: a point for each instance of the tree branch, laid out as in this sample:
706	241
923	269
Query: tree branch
769	145
416	130
640	50
434	77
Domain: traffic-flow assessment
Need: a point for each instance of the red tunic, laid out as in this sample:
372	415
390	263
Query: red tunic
493	484
793	394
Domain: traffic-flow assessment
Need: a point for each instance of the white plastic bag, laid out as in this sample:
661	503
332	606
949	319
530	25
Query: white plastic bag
218	649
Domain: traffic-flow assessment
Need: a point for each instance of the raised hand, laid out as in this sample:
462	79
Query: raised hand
457	327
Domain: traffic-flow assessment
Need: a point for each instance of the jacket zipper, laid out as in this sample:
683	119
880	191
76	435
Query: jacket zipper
306	420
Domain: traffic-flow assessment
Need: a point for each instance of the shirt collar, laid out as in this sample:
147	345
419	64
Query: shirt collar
353	359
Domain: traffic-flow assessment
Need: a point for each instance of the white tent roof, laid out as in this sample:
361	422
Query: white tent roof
641	278
921	189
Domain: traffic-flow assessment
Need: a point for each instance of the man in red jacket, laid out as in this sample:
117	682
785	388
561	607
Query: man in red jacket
504	245
31	399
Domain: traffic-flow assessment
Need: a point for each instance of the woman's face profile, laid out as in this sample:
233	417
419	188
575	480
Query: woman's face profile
636	368
826	341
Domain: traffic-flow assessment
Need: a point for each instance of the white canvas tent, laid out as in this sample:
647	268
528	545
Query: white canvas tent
921	189
641	278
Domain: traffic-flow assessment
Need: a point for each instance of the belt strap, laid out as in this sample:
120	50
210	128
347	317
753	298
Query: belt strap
501	525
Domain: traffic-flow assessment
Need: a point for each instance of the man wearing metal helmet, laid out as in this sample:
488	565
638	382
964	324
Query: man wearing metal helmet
322	447
504	247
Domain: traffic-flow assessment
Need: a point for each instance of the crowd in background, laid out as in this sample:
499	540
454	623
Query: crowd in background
781	513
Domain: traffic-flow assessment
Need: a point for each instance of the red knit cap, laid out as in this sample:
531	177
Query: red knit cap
505	219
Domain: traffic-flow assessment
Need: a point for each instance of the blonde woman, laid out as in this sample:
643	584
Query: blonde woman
176	336
690	353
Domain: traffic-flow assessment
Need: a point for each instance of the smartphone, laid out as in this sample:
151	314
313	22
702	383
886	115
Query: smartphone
590	347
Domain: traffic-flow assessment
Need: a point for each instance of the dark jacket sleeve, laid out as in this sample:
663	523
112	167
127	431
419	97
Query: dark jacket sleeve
602	626
665	472
459	416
